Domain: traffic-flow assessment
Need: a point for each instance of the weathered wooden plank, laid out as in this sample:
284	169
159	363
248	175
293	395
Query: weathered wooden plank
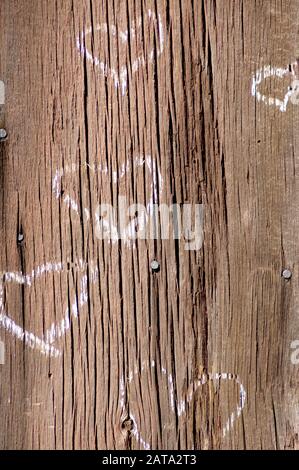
151	100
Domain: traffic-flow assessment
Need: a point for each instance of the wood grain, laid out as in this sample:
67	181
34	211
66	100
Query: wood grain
141	339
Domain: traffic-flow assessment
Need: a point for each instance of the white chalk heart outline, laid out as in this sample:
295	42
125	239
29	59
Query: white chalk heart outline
270	71
179	407
46	344
138	161
120	77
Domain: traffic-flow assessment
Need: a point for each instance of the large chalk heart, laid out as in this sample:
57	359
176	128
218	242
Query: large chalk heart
169	400
267	72
46	344
119	73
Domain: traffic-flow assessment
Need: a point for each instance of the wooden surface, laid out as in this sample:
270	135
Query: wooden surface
129	362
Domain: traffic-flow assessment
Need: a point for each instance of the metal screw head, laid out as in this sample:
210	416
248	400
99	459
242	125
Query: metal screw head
155	265
286	274
20	237
3	134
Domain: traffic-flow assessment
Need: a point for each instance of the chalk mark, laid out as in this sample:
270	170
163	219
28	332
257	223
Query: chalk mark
120	78
44	344
270	71
179	406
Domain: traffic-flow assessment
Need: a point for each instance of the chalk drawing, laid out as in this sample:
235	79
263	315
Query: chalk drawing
156	188
45	344
179	406
270	71
120	76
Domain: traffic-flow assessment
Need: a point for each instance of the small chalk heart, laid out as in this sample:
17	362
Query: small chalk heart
44	343
119	74
271	71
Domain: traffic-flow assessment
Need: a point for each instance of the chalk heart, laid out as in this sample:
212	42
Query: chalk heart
106	227
119	73
46	343
267	72
176	406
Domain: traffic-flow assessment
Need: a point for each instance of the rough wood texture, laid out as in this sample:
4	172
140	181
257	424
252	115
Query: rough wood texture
130	358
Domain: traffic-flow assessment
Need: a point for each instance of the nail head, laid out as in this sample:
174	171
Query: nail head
286	274
155	265
3	134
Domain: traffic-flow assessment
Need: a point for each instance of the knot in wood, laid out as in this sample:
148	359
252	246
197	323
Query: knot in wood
127	425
